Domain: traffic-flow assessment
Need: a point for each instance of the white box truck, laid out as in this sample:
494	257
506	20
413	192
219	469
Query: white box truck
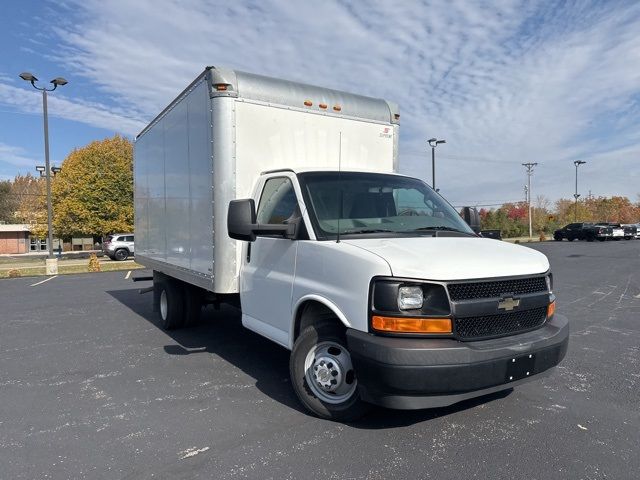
284	200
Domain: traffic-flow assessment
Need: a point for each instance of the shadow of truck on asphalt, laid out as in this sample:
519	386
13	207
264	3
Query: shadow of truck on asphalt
220	332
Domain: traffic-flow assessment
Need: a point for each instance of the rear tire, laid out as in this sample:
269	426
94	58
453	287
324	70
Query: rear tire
571	239
557	238
192	305
121	254
170	305
322	374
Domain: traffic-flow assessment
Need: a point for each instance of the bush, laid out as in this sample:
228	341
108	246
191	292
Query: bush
94	264
13	273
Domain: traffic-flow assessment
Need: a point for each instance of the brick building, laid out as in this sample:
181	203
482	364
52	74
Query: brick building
14	238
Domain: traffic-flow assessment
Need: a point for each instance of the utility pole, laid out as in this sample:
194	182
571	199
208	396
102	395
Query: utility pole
529	167
577	163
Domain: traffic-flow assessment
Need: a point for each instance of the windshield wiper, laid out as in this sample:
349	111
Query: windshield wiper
368	230
443	228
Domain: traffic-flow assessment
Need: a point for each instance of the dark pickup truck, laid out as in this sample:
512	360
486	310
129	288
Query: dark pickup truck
573	231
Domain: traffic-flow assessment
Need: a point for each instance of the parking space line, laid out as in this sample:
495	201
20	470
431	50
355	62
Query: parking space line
45	280
126	277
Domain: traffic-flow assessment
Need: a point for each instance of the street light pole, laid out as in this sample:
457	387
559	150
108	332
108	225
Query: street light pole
577	163
48	174
529	167
58	81
433	143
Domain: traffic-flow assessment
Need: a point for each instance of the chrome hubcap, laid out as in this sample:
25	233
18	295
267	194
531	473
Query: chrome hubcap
163	304
329	372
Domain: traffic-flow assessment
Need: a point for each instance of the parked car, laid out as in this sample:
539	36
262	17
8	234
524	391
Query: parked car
571	232
617	231
118	246
631	230
495	234
598	231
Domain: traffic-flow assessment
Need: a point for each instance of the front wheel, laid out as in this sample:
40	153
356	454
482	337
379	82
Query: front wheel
323	376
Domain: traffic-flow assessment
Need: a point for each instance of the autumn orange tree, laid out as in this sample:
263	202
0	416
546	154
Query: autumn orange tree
30	203
93	194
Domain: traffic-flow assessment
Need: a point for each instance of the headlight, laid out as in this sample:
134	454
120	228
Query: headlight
410	298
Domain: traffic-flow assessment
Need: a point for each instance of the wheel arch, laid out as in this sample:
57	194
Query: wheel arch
318	308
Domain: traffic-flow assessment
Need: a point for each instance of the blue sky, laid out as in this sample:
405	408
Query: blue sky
503	82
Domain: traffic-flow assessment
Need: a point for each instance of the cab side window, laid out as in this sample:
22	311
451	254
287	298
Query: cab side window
278	202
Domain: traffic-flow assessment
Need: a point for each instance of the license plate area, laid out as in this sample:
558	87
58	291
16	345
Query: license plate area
520	367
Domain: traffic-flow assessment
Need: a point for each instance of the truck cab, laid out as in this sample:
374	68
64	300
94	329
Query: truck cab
385	295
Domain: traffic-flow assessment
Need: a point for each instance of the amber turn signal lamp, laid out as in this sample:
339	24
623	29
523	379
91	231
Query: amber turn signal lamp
411	325
551	309
221	87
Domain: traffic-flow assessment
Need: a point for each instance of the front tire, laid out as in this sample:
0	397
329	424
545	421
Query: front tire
323	376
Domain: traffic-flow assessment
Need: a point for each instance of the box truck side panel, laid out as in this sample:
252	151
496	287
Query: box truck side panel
200	180
174	189
269	137
225	266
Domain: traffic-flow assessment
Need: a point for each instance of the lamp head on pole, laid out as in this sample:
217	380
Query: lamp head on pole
579	162
434	141
59	81
28	77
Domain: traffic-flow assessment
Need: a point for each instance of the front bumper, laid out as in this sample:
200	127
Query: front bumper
413	373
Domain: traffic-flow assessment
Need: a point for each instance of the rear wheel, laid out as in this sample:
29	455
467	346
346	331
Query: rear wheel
571	239
193	303
170	305
557	238
121	254
323	376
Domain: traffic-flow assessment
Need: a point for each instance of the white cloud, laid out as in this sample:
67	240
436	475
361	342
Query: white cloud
90	113
504	82
15	156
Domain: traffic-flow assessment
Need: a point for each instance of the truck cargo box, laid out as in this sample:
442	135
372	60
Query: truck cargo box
211	143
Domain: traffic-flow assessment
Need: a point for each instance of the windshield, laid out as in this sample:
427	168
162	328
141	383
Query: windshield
375	203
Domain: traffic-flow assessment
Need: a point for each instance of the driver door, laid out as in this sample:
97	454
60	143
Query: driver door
268	267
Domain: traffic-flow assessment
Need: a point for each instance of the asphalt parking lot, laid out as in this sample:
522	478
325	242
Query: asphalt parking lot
90	387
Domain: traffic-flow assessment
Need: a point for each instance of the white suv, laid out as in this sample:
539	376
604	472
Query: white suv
118	246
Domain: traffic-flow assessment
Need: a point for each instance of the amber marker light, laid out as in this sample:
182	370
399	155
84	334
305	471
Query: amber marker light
337	108
551	309
221	87
411	325
308	103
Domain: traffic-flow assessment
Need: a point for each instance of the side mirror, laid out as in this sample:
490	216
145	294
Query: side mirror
472	217
241	223
241	220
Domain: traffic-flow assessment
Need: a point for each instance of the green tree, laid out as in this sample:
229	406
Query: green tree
93	194
8	202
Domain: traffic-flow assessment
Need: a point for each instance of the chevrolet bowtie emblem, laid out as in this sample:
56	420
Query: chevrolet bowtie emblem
508	303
